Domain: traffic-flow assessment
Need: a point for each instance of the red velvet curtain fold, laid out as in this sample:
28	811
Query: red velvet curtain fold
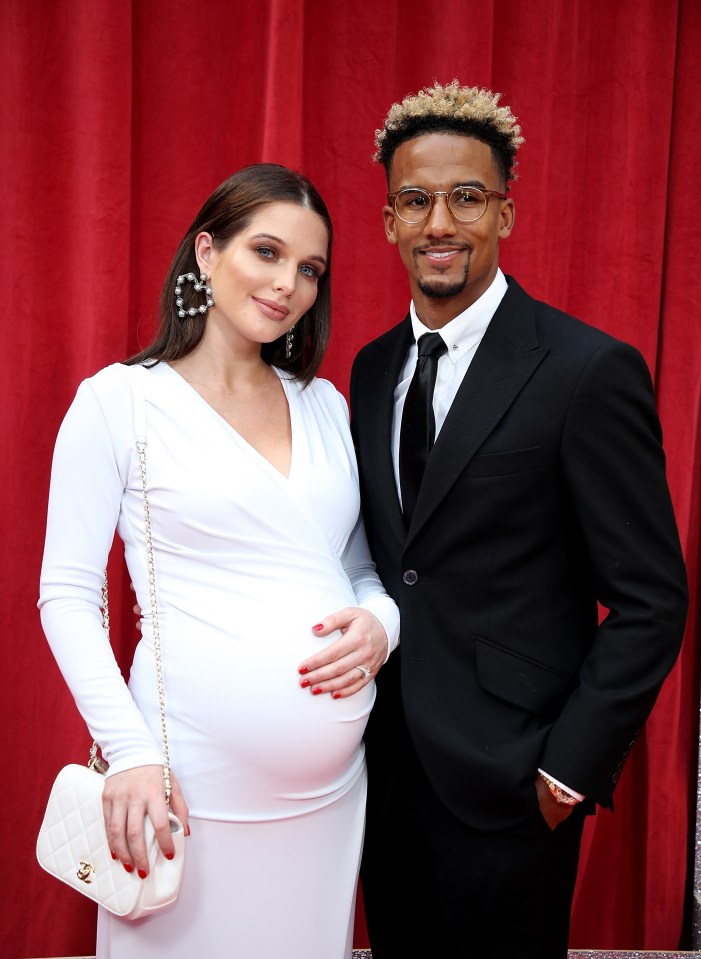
120	118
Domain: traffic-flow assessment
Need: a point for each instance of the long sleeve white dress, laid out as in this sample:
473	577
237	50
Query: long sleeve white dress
247	561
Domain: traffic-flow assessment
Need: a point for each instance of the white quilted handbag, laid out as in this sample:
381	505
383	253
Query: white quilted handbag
72	843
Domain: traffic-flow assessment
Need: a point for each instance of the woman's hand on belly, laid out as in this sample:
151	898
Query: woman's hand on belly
351	662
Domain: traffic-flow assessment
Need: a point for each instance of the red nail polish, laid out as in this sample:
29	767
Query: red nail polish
128	866
336	695
142	873
317	691
170	855
187	830
113	854
303	670
305	683
318	627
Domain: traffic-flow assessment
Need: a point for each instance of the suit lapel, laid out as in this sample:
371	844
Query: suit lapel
504	362
380	411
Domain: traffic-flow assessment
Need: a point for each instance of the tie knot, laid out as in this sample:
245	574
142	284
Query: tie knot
431	344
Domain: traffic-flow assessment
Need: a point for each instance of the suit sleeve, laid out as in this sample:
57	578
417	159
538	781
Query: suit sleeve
613	471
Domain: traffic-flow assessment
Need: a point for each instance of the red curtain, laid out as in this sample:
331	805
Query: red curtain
120	117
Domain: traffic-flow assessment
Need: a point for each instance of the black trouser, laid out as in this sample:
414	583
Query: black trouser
434	887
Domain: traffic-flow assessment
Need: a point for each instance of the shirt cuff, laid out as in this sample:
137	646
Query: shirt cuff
567	789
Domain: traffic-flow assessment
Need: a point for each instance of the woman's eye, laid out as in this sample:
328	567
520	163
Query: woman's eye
309	271
266	251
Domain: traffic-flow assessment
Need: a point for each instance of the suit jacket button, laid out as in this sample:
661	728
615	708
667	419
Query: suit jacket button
410	577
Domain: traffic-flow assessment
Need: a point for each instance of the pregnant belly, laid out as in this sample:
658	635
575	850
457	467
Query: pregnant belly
246	741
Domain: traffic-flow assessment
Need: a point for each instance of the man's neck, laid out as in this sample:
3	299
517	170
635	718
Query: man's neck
436	312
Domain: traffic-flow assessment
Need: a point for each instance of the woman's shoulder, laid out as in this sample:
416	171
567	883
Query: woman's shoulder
103	404
324	387
333	403
112	388
325	392
321	389
115	380
109	377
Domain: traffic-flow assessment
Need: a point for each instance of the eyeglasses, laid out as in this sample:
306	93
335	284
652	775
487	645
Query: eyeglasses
466	203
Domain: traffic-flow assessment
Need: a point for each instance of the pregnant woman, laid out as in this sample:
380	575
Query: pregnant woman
262	570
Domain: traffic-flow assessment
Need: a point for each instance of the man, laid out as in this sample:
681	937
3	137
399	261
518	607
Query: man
507	713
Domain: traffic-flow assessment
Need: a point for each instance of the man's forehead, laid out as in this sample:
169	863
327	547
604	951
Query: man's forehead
442	160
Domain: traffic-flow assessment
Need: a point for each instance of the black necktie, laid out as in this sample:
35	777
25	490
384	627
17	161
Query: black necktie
418	428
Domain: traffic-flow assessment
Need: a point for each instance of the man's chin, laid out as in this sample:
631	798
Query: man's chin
440	289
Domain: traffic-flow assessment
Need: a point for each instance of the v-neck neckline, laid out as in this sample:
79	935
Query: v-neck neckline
284	382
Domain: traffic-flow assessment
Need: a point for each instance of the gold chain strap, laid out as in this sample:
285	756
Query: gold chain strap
141	447
96	762
105	607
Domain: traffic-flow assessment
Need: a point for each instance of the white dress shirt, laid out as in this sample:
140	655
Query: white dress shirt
462	336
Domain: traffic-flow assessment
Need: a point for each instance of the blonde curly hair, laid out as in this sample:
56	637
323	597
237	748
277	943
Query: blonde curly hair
470	111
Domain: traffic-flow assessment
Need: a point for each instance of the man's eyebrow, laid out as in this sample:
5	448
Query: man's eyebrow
455	185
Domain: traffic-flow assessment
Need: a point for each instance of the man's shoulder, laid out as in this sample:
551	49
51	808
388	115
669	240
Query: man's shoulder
386	342
389	337
555	323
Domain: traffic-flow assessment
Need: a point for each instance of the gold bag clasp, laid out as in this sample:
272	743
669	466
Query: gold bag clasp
85	871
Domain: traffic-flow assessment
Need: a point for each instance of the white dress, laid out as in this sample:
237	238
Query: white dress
247	561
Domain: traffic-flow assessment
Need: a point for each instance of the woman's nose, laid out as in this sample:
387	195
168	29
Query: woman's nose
285	280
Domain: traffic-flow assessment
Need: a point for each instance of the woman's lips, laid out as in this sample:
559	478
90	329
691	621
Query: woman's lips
275	311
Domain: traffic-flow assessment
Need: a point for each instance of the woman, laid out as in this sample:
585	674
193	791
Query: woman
261	564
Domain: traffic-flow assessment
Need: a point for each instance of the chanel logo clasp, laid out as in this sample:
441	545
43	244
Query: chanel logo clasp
85	871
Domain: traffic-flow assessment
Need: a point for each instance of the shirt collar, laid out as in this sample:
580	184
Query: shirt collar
465	331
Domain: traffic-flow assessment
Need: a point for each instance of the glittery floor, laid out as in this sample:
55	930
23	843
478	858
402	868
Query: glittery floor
578	954
573	954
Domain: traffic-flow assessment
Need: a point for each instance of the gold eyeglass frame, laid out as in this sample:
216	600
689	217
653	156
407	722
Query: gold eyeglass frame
486	194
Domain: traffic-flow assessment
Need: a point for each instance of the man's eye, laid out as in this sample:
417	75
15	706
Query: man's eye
466	197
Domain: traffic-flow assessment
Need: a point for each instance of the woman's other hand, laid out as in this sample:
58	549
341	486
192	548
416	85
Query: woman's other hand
130	796
136	609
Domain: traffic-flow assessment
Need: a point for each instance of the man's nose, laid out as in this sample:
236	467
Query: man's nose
440	221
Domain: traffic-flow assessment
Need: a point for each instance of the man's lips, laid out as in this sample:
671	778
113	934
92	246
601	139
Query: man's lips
441	255
276	311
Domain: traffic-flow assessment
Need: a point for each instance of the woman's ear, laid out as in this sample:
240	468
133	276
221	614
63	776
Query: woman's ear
204	251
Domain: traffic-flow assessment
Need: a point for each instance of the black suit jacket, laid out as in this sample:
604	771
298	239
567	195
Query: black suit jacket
544	493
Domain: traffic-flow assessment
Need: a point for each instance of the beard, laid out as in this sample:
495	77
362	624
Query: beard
434	289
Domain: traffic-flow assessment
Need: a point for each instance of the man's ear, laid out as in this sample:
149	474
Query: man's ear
507	216
204	251
390	224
